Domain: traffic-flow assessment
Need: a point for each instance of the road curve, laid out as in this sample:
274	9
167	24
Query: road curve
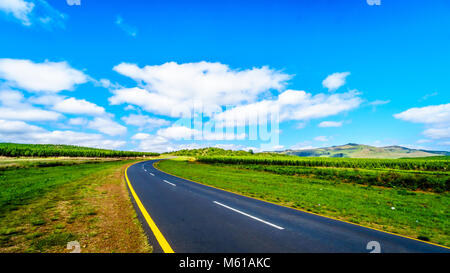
195	218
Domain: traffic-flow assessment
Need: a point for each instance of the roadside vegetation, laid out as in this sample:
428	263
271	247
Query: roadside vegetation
46	203
364	163
408	197
49	150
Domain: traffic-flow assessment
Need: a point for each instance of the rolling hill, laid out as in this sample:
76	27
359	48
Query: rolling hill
353	150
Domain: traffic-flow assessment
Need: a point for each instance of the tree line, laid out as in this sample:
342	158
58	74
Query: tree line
50	150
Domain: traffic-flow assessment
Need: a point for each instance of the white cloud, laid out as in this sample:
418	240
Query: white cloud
177	132
321	138
76	106
21	132
69	105
37	77
325	124
154	143
11	98
19	9
151	102
47	100
172	89
143	121
292	105
161	141
129	108
436	117
77	121
28	114
335	80
107	126
437	133
277	148
428	115
13	107
237	147
33	12
8	127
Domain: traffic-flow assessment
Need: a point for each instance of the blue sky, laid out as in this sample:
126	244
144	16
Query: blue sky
122	74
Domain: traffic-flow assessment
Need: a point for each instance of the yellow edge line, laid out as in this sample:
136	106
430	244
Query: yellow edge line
329	217
159	237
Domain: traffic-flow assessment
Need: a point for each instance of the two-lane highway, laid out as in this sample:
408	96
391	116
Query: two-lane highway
185	216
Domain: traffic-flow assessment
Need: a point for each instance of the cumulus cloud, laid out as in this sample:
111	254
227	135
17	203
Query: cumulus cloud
107	126
77	121
335	80
11	97
76	106
47	100
21	132
167	88
28	114
162	140
436	117
177	132
292	105
428	115
8	127
155	143
144	122
14	107
40	77
325	124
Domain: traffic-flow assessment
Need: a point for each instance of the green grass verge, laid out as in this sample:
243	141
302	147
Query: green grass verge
20	186
416	214
407	179
44	208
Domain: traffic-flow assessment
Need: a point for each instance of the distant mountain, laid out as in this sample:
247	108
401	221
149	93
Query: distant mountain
353	150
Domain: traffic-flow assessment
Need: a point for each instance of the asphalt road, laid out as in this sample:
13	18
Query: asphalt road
194	218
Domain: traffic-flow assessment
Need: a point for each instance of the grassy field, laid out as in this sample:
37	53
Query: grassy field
45	203
418	214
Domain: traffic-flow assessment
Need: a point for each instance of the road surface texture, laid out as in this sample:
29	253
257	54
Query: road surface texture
184	216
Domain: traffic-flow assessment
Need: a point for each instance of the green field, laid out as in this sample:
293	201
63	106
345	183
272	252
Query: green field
49	150
339	188
363	163
45	203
